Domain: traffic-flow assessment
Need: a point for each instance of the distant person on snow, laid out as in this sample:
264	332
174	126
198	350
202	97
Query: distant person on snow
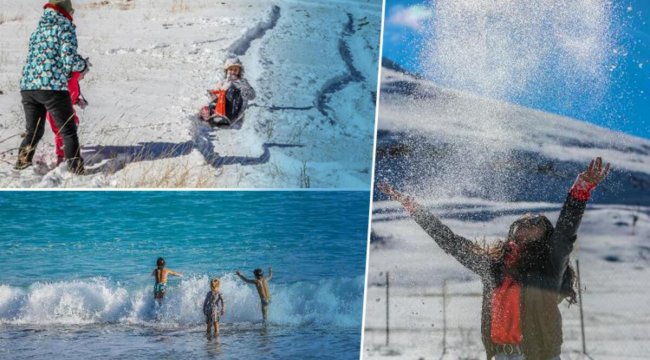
262	284
213	307
229	98
51	60
77	99
524	277
161	273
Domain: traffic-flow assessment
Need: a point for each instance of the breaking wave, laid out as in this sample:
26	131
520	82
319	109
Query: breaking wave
328	302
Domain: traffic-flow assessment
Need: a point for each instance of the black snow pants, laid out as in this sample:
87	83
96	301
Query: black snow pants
36	104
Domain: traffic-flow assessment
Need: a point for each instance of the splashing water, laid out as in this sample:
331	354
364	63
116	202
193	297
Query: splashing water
328	302
505	51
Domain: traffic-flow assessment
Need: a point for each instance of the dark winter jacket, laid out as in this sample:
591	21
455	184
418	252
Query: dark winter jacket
52	53
541	322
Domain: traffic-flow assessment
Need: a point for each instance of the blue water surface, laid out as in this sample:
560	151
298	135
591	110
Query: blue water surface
77	273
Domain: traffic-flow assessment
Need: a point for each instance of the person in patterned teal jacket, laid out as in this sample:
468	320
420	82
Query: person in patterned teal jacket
50	62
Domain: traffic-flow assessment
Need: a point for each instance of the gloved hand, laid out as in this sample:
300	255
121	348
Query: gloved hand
88	65
82	102
204	113
589	179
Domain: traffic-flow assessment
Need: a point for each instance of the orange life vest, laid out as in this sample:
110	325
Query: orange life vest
220	109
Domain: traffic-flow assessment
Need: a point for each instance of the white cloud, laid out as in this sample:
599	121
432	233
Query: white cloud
412	17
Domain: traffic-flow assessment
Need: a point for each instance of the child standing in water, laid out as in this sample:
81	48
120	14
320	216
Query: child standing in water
213	307
161	273
262	285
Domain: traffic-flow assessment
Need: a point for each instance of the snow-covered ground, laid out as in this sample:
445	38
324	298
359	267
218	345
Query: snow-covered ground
479	164
313	65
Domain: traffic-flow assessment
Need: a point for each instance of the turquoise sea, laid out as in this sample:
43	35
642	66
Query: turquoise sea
76	273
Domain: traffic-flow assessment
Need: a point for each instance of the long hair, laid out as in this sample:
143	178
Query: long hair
160	265
535	257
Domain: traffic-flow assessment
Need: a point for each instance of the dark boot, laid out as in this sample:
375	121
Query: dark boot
76	166
25	156
21	165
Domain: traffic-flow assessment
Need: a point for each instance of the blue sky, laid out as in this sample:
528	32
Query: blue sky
626	103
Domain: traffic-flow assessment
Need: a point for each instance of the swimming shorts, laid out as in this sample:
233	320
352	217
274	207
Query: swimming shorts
213	317
159	288
266	302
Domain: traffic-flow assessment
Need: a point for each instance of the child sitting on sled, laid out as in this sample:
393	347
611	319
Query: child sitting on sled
230	96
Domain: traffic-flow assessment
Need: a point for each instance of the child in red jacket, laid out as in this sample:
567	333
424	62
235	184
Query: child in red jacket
77	99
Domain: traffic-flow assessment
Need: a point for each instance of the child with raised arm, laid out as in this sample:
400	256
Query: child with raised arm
524	277
262	285
161	273
213	307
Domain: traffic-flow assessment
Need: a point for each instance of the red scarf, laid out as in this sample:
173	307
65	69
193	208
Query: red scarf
505	326
59	10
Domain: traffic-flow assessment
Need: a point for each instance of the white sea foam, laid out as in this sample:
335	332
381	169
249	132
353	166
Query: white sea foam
336	302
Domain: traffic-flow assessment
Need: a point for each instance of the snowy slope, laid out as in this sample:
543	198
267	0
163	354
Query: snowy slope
479	164
311	124
464	144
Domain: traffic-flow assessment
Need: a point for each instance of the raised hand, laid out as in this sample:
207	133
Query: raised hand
388	190
595	173
407	202
589	179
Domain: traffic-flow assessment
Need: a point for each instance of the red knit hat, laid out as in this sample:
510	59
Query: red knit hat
64	4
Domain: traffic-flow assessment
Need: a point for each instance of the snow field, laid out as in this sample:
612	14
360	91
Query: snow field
153	61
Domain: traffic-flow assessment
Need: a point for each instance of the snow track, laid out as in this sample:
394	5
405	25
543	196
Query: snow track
242	45
292	120
202	141
203	135
339	82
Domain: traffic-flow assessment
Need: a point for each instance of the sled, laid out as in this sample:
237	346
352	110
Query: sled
218	109
223	121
